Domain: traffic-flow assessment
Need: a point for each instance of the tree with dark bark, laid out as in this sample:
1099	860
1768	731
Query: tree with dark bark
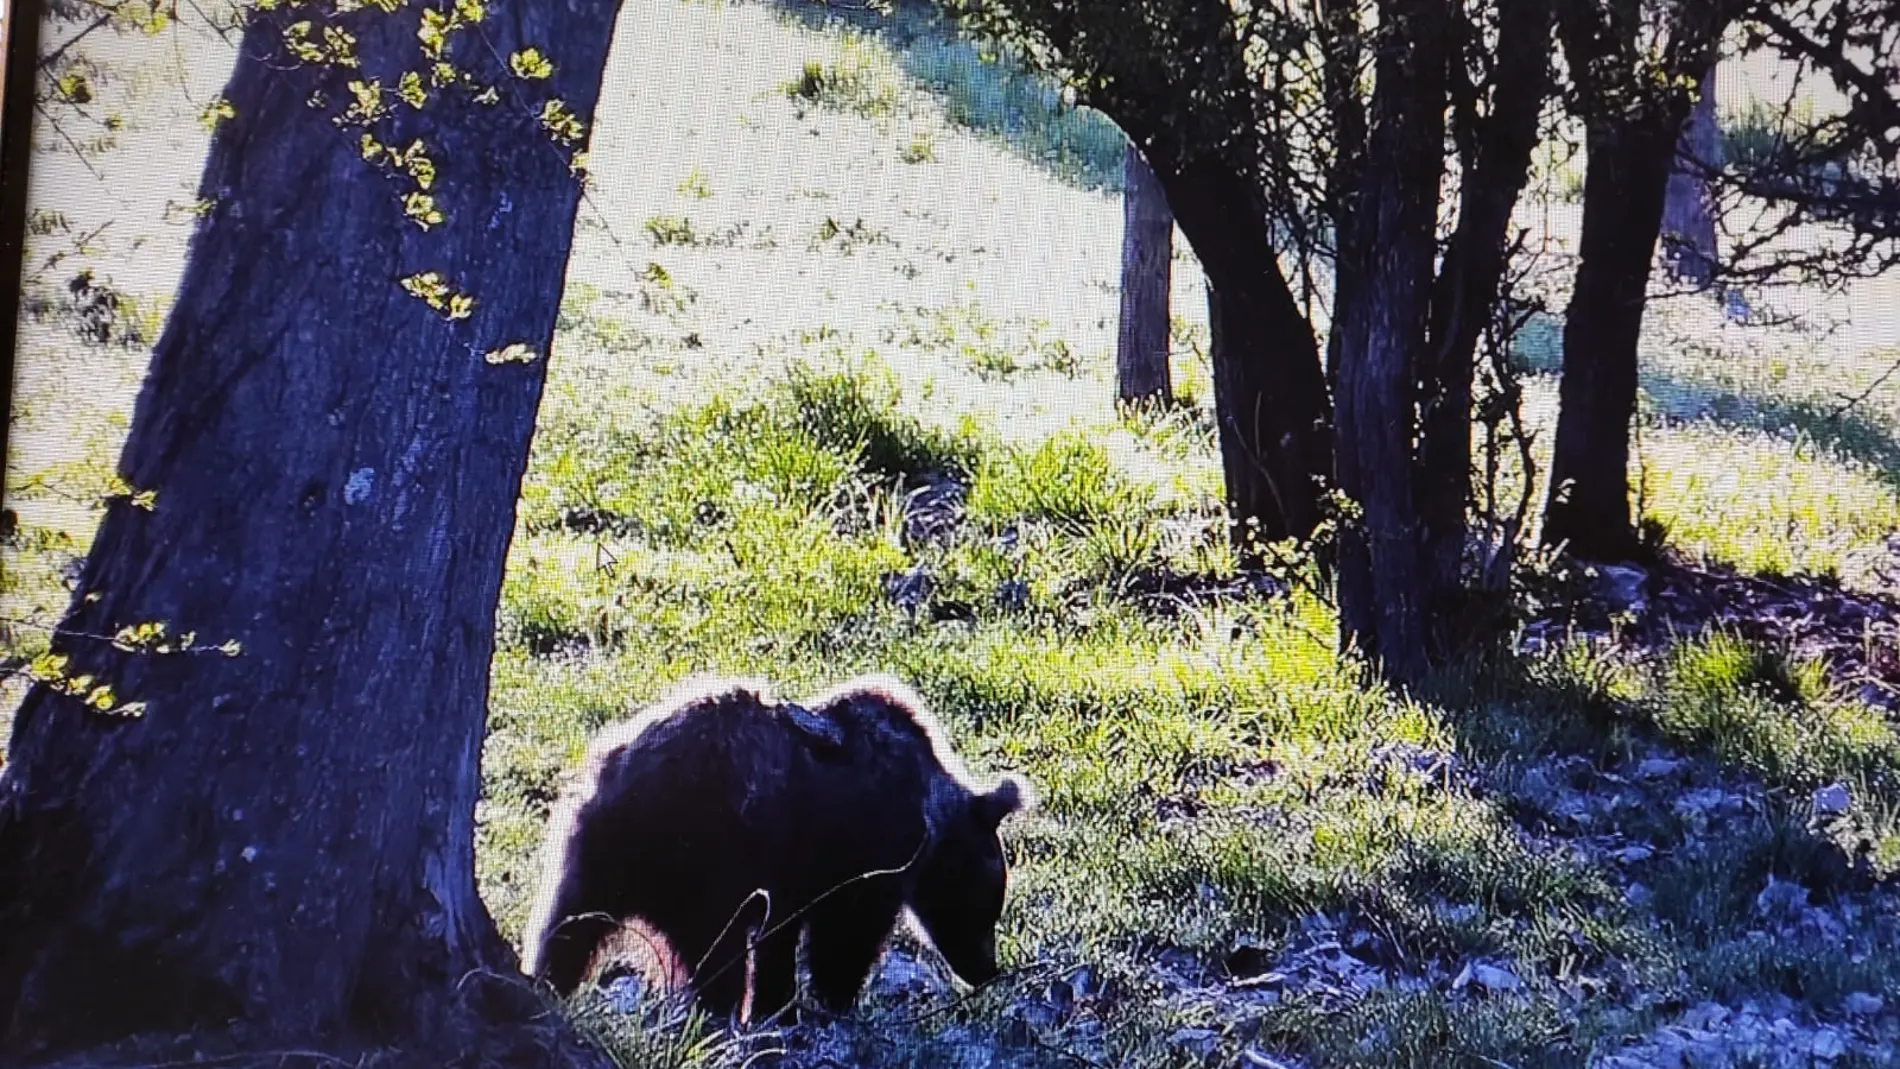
1141	342
1262	170
1389	256
1405	336
241	796
1497	96
1633	100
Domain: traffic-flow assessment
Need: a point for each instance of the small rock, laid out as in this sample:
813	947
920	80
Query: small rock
1496	979
1832	800
1457	914
1490	977
1781	899
1202	1042
1828	1045
933	510
1086	982
1658	767
1038	1015
1631	855
1061	995
1622	588
1862	1004
1257	1060
1012	595
908	590
624	992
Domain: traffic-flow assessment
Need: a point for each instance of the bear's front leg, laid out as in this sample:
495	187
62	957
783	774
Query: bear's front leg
847	935
565	945
719	972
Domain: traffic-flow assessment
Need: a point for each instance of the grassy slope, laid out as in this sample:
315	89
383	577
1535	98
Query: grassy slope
780	299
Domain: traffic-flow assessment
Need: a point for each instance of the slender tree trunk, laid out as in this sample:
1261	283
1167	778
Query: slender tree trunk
1382	585
1269	390
1633	121
279	853
1688	227
1624	182
1141	343
1466	289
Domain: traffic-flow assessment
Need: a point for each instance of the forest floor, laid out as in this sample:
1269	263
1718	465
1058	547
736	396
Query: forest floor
832	392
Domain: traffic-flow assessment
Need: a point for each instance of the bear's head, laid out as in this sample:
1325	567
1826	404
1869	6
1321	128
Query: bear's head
960	886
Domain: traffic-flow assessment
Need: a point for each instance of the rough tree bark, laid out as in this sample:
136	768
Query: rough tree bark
1631	133
1382	577
1496	154
1269	387
279	853
1688	227
1141	342
1623	187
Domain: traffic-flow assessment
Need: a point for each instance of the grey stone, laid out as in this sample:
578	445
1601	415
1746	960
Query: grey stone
1622	588
1828	1045
1862	1004
1832	800
1202	1042
1658	767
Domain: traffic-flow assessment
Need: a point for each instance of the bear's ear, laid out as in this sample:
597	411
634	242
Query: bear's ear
1008	796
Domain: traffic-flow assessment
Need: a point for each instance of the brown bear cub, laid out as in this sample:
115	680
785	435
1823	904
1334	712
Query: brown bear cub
725	822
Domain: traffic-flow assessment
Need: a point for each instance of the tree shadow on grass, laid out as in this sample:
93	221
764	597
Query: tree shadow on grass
996	97
1848	430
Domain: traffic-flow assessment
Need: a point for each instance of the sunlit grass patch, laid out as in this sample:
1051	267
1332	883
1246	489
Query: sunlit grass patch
995	350
1069	479
1765	503
992	92
858	76
1773	716
856	410
978	87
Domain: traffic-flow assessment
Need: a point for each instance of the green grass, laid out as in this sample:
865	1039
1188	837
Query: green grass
1144	734
978	88
1209	774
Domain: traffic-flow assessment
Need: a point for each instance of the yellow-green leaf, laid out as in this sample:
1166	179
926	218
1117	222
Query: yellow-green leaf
530	63
215	112
421	208
518	353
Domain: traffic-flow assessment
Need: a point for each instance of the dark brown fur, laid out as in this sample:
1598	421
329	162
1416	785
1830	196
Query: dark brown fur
720	816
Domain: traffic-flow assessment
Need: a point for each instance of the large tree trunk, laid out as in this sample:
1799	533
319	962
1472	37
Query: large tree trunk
279	852
1626	175
1269	389
1466	290
1141	343
1382	577
1688	227
1633	120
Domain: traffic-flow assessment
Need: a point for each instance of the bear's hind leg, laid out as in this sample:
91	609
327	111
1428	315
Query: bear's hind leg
847	935
774	973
